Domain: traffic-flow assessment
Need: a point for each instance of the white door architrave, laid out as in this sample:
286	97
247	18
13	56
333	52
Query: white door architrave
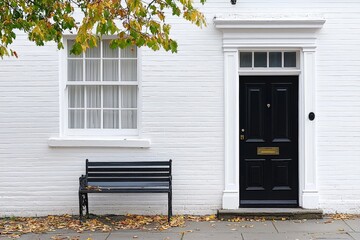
274	32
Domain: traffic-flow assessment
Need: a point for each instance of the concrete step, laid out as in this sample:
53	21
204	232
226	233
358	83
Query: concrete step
271	213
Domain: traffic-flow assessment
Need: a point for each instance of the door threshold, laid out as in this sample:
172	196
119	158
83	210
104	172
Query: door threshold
270	213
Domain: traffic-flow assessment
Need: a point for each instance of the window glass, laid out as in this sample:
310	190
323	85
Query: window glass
128	70
92	70
289	59
109	52
260	59
128	119
246	59
275	59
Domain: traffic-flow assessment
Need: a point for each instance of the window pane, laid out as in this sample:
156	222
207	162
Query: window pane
129	52
129	96
75	70
111	118
260	59
128	70
275	59
108	52
93	52
76	119
70	44
93	118
111	96
289	59
92	70
93	96
76	96
245	59
128	119
110	70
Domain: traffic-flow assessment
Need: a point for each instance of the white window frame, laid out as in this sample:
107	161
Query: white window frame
63	93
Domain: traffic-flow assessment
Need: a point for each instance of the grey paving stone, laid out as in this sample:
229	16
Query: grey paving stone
312	226
29	236
118	235
355	236
213	236
73	236
354	224
276	236
222	226
296	236
326	236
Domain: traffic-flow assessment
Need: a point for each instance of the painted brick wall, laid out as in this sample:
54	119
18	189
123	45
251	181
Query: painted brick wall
182	115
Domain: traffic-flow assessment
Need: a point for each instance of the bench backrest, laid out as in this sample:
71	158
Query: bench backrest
150	171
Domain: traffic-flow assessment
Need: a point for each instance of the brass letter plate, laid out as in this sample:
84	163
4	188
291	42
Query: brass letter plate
268	151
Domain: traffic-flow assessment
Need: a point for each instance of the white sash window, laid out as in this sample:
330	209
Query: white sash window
101	92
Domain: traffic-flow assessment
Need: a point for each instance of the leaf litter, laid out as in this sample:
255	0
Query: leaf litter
14	227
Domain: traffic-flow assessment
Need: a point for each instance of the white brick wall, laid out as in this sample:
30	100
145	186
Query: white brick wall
182	115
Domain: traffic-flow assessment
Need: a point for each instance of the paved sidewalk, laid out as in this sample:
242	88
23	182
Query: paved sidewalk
221	230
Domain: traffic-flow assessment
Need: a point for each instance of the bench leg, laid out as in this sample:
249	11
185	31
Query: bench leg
87	205
83	203
169	206
80	206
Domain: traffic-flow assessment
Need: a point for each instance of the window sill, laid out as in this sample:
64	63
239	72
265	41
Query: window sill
71	142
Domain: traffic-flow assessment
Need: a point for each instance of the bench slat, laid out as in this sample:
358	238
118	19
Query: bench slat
148	190
129	184
104	169
144	174
127	180
156	163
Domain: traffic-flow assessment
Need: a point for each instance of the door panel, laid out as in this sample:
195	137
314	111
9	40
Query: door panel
269	146
280	113
254	113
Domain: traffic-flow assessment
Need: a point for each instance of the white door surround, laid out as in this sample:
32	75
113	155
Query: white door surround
280	33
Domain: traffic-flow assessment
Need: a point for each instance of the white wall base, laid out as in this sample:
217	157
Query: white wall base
230	200
310	200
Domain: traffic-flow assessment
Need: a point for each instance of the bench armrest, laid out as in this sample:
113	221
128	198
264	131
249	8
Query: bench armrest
82	182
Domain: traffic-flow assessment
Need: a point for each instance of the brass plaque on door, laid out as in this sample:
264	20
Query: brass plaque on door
268	151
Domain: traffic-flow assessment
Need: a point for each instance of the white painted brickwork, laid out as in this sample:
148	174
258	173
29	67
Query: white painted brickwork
182	115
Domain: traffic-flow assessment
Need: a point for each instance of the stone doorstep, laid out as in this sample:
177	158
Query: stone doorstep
271	213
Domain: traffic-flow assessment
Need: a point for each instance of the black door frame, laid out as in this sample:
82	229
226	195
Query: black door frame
275	203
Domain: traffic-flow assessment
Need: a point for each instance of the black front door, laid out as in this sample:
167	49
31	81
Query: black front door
268	141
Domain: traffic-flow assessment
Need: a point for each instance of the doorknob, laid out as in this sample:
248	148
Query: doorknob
268	105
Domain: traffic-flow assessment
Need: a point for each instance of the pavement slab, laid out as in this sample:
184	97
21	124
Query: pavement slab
296	236
213	236
73	236
276	236
354	224
246	226
118	235
29	236
312	226
355	236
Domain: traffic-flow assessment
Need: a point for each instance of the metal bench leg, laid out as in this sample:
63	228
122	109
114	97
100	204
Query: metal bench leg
87	205
169	206
83	204
80	206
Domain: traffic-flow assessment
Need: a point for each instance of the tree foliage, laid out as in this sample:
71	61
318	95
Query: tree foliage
132	22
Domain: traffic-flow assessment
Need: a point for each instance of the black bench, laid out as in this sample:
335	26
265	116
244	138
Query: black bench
125	177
